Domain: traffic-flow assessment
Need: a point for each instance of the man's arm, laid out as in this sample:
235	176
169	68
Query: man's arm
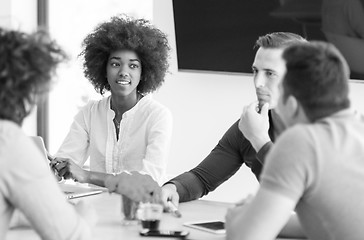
283	183
262	219
263	152
223	161
293	228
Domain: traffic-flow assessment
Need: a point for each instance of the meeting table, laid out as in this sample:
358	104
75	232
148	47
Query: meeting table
110	227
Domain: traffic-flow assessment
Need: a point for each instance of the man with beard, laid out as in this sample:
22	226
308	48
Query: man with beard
316	166
249	139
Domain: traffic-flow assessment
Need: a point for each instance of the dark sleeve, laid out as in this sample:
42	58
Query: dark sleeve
264	151
224	160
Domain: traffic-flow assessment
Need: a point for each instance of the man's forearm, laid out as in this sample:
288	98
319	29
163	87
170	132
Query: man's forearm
189	187
263	151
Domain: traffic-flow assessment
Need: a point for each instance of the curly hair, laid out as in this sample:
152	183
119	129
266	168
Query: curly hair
27	62
123	32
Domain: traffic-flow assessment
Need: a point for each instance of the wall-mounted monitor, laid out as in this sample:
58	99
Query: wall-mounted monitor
219	35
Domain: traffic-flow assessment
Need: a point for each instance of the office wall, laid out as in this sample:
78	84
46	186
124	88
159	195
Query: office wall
204	105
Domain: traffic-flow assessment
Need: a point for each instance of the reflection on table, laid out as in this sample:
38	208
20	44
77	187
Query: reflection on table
109	225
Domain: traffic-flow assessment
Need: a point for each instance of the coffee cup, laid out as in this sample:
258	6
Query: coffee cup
150	215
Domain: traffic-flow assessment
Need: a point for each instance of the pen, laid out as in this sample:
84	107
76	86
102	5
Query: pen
53	164
174	209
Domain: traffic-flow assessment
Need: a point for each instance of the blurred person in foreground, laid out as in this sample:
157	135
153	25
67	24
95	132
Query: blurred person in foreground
27	186
316	166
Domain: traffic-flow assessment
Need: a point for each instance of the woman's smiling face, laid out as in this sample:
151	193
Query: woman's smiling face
123	70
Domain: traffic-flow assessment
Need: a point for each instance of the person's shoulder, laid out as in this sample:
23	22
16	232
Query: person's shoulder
8	125
149	101
9	130
150	105
96	104
293	146
12	137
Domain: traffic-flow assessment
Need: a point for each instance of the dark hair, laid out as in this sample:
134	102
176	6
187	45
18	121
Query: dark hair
317	76
27	62
278	40
123	32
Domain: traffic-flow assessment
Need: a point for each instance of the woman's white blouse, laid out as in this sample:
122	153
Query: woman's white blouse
144	138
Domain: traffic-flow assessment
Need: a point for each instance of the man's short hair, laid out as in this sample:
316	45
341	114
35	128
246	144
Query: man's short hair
278	40
317	76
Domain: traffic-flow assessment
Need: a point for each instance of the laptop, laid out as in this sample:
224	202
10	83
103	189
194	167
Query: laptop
70	188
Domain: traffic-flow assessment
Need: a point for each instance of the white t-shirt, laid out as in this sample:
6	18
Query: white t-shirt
27	185
321	167
144	138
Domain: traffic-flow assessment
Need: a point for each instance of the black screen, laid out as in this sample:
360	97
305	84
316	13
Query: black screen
216	35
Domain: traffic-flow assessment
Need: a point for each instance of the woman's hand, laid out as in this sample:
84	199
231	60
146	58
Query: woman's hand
138	187
68	169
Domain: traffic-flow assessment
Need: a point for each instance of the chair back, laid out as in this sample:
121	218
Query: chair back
351	48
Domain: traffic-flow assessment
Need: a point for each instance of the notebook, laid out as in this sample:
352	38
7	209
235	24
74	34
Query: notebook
70	188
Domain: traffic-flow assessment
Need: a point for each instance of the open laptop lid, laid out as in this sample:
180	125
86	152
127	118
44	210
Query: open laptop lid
71	190
40	144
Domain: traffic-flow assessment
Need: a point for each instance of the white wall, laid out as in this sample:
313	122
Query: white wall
204	105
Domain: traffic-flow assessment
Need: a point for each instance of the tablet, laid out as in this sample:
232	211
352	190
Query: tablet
215	226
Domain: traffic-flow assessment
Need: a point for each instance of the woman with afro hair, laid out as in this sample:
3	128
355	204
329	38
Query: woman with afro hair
127	130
